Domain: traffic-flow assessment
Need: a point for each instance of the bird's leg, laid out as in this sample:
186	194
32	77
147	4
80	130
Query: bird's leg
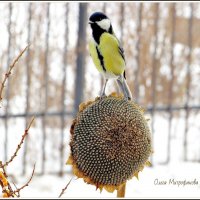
121	86
103	94
124	87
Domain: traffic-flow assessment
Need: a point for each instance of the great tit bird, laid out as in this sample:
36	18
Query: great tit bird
106	52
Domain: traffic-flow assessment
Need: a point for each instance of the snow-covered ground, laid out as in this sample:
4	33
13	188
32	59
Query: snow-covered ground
49	186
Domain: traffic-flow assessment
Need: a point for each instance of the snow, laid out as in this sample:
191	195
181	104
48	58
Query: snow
49	186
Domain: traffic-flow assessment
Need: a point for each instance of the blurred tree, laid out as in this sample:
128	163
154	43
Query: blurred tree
81	52
156	45
138	46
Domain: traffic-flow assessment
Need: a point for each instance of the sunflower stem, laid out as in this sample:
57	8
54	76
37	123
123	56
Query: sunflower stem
121	191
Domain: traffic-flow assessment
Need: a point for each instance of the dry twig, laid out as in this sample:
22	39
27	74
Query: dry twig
8	73
19	145
63	190
17	191
7	190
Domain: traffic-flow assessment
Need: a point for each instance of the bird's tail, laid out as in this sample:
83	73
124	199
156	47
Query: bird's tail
121	81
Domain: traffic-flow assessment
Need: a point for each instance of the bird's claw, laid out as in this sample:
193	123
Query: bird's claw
102	96
128	98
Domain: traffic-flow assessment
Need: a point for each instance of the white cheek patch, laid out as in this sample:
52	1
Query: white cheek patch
104	24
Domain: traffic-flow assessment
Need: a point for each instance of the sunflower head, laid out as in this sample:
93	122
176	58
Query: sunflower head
110	142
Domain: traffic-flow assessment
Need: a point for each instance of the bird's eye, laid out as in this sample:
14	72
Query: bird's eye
100	19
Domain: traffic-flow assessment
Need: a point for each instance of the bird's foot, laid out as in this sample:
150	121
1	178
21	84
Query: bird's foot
102	96
127	98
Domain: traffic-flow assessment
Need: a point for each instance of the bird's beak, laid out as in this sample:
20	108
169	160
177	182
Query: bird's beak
90	22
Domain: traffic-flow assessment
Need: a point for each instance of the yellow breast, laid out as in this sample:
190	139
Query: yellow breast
112	59
109	48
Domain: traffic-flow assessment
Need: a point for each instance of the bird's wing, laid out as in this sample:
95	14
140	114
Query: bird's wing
112	53
121	51
124	74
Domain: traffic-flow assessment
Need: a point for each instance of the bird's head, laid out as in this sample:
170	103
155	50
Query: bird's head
99	19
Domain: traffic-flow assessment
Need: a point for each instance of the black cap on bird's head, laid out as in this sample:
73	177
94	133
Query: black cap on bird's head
100	20
96	17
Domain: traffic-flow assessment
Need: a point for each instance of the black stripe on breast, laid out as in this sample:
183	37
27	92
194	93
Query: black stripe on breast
101	59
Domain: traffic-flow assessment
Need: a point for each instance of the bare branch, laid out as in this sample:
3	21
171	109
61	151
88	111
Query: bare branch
25	185
10	191
18	195
8	73
4	183
19	145
63	190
